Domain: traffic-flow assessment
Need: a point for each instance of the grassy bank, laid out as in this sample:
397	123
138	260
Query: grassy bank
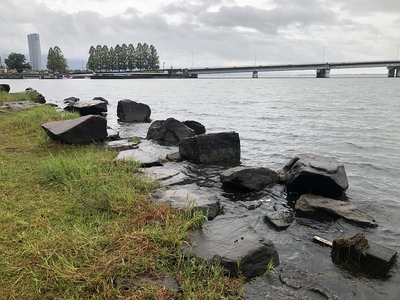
73	222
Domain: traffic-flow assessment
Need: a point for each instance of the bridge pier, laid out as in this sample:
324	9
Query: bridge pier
323	73
393	72
255	74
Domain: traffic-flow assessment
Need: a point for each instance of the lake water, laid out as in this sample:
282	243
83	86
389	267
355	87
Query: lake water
353	119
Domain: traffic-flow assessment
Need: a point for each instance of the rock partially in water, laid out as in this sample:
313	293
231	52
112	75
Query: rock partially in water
248	179
120	145
129	111
5	87
233	243
168	132
223	147
287	283
85	108
83	130
321	208
280	220
196	126
356	253
314	174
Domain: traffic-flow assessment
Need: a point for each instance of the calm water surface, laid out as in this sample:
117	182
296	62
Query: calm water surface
355	120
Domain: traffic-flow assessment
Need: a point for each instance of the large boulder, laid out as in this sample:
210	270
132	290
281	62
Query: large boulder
4	88
83	130
234	244
168	132
321	208
129	111
308	173
223	147
196	126
248	179
85	108
39	98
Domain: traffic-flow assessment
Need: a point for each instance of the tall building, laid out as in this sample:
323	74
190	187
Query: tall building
35	53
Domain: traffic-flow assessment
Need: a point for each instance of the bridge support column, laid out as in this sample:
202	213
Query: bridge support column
323	73
393	71
255	74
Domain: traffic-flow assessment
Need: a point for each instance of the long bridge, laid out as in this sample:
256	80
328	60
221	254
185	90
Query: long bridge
322	69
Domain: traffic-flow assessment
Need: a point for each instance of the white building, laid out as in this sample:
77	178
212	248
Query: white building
35	53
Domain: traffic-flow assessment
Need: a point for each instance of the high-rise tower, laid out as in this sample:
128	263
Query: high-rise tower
35	53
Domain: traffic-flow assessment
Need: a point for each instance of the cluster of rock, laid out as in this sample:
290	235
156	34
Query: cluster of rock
319	183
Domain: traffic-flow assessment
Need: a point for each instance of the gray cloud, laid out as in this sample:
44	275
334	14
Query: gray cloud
216	33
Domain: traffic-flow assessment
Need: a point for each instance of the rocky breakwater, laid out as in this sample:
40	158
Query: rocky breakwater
309	187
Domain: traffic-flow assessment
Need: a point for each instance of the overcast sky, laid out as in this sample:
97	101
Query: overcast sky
209	33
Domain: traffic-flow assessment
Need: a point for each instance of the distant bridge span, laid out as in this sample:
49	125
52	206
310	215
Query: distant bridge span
322	69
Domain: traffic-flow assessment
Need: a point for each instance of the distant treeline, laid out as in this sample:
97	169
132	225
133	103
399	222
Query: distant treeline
123	58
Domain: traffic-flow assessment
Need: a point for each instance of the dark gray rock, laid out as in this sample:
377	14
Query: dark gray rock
233	243
146	159
129	111
196	126
287	283
248	179
168	132
189	196
356	253
83	130
308	173
320	208
279	219
39	98
223	147
71	100
85	108
101	99
5	87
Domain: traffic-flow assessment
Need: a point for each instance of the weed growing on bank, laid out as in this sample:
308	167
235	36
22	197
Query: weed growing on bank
74	222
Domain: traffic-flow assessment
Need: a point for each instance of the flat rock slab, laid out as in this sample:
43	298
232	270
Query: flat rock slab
146	159
83	130
189	196
279	219
287	283
167	175
17	106
320	207
120	145
233	243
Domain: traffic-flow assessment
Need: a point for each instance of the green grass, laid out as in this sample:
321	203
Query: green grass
73	221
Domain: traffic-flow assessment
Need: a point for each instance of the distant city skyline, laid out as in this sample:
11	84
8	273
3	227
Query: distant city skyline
35	52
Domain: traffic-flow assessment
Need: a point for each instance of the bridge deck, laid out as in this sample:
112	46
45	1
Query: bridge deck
294	67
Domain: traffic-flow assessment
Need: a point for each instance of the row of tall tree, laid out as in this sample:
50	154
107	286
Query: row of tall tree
56	61
123	58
